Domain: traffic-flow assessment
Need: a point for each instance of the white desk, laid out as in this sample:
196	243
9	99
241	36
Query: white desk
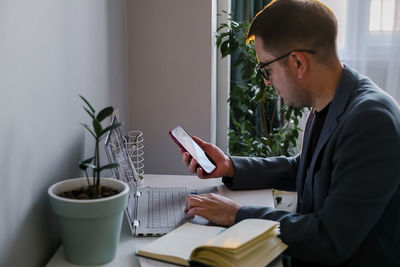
129	244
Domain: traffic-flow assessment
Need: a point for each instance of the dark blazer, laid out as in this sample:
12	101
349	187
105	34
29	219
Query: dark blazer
348	209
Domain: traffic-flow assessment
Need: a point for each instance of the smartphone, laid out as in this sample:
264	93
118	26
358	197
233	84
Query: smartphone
187	144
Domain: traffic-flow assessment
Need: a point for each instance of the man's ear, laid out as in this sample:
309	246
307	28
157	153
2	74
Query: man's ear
300	62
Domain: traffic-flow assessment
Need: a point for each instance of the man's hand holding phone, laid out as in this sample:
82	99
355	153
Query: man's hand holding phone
224	166
196	155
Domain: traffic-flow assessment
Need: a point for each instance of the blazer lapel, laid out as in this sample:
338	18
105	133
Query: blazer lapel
338	106
305	151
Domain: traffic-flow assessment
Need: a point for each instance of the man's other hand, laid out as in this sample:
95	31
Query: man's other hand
215	208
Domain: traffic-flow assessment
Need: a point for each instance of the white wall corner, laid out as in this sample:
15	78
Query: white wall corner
223	85
214	103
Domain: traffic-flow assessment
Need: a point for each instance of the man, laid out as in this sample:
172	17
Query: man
348	173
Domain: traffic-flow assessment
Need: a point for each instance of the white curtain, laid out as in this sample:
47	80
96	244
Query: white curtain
374	53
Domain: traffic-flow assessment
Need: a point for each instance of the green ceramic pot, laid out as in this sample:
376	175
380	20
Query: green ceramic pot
90	229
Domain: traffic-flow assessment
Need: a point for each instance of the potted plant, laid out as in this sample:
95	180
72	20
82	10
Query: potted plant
90	209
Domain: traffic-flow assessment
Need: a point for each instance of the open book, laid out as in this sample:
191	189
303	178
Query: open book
251	242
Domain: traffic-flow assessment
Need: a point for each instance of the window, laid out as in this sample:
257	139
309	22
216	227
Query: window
384	16
373	41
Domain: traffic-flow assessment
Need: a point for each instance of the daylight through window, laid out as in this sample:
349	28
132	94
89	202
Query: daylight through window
384	15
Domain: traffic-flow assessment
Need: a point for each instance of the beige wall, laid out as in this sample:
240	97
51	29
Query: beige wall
170	50
50	51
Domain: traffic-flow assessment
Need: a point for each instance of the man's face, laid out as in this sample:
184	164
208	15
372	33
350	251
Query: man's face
282	77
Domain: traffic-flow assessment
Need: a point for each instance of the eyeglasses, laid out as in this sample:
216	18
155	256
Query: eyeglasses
266	74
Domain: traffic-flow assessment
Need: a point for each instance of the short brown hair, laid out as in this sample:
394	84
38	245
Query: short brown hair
284	25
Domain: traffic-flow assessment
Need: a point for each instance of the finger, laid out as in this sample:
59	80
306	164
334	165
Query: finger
208	148
181	149
187	203
192	201
200	142
214	196
200	173
193	166
186	158
197	211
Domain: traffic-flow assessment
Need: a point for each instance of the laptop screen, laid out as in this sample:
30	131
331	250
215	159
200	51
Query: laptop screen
117	153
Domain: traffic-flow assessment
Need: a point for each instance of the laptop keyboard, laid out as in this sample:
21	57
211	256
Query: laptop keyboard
166	208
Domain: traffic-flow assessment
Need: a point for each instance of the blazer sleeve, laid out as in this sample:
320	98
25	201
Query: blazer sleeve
364	178
262	173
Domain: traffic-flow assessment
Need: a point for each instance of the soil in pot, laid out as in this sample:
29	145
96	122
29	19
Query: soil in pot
89	193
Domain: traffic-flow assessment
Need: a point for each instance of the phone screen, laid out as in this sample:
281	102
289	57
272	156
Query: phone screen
185	142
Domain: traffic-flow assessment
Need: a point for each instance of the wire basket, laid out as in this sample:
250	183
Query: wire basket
135	146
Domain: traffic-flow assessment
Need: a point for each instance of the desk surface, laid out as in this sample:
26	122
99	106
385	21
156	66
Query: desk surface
129	244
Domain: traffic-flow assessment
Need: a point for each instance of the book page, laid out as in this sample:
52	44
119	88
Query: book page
259	255
241	233
181	241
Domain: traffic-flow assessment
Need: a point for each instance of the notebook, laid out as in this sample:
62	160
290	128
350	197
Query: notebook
151	211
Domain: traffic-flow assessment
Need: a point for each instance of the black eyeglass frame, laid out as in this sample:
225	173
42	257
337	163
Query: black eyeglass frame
261	67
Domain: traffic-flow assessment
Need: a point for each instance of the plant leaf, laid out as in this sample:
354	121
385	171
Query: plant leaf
97	127
222	26
87	128
224	49
89	112
87	103
87	160
104	113
107	129
84	166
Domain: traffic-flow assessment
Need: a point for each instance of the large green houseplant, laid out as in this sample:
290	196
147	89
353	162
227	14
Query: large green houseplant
260	125
90	209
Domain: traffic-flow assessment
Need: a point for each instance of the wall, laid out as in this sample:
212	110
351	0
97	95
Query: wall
50	51
223	84
170	55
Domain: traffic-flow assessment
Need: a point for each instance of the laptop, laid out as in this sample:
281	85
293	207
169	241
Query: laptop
151	211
